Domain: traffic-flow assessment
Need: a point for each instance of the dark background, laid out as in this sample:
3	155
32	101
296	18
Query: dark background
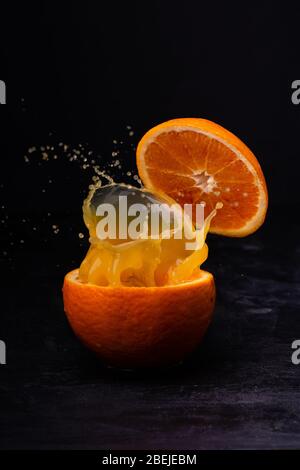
80	73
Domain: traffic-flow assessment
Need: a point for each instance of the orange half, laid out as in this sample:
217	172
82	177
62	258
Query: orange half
195	160
140	326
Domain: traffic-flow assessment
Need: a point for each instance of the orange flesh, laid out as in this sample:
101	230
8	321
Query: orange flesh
204	169
195	160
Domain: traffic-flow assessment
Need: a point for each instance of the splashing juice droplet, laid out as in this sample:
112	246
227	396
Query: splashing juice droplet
157	254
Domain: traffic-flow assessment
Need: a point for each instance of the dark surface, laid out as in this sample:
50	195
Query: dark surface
239	390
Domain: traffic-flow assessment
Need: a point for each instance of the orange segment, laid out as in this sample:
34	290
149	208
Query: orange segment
194	160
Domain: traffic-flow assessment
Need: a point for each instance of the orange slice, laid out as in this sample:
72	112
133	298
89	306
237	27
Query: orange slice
195	160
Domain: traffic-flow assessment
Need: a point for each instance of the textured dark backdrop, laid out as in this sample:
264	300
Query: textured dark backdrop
82	72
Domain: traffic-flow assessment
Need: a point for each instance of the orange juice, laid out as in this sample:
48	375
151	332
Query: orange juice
169	256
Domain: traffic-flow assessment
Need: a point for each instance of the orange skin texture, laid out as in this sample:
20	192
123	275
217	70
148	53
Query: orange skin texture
132	327
227	136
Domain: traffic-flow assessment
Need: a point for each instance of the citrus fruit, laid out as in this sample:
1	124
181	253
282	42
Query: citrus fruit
193	160
140	326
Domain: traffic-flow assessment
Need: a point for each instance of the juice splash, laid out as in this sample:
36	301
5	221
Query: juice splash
164	259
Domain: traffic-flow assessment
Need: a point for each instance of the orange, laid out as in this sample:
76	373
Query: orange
195	160
140	326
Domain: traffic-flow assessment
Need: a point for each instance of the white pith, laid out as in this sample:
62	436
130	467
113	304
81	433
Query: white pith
204	181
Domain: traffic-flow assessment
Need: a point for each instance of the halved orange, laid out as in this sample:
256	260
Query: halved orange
140	326
195	160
